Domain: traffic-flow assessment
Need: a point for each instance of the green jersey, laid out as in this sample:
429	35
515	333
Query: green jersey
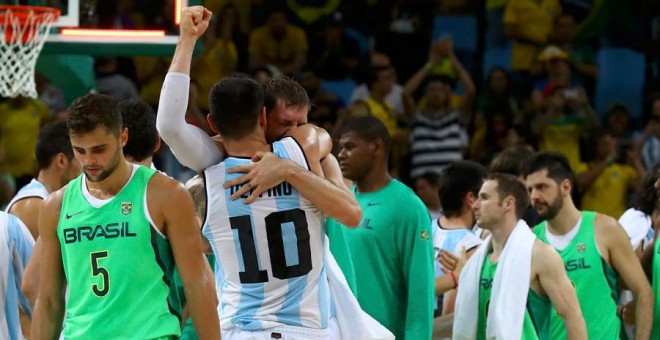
117	264
537	315
656	290
393	246
594	280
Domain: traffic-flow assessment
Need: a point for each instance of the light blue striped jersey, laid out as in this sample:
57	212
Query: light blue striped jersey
33	189
270	269
451	240
651	152
16	245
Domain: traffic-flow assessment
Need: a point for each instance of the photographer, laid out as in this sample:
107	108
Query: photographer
607	180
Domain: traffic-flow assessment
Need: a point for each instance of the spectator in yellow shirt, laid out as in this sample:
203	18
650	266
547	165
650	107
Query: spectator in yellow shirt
279	44
566	118
607	180
21	119
529	23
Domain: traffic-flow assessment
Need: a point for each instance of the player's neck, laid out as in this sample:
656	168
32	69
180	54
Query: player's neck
462	221
245	147
501	233
434	205
377	179
145	162
111	186
565	220
50	179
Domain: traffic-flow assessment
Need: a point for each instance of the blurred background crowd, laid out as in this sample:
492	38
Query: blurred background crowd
451	80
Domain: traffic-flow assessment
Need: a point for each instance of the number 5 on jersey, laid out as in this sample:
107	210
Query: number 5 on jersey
100	290
275	232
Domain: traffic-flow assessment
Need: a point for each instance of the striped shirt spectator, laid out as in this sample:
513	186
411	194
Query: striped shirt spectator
437	141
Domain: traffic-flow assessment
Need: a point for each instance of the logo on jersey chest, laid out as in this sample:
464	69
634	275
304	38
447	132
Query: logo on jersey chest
576	264
126	208
90	233
581	248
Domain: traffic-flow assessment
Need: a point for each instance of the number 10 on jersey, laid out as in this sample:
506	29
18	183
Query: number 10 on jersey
274	233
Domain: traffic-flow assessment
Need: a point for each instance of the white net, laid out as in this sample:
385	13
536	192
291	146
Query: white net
23	31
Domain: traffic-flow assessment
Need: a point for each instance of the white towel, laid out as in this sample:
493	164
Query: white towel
353	322
510	287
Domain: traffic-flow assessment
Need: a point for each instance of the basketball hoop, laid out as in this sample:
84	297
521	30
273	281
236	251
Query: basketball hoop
23	31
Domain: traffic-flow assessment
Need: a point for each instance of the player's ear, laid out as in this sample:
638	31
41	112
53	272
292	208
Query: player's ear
470	198
263	120
61	160
123	137
209	120
157	147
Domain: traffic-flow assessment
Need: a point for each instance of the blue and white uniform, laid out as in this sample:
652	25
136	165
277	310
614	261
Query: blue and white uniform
33	189
16	246
271	272
451	240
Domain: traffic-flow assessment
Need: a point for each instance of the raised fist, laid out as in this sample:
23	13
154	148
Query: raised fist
194	21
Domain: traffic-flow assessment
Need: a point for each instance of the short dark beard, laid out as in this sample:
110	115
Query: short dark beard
106	172
553	209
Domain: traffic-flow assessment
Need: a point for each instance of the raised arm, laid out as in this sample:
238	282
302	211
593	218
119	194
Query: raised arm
174	212
191	145
624	261
49	307
549	268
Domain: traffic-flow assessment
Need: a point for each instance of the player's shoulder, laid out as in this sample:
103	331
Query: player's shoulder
543	254
54	200
26	204
605	223
302	135
161	186
402	192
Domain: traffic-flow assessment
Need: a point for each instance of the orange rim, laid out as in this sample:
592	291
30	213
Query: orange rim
22	12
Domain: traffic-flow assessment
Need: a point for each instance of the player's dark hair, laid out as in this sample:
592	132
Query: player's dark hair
52	140
290	92
510	185
140	119
235	106
512	160
90	111
370	129
555	163
457	180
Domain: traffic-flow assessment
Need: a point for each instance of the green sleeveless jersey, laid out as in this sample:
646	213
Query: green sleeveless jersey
117	265
594	280
537	315
656	290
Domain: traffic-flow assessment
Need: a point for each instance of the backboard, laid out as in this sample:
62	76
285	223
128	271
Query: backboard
112	27
69	9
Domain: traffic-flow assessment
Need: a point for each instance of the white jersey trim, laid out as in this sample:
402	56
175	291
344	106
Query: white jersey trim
97	202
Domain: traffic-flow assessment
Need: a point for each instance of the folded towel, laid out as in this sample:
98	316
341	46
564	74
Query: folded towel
510	288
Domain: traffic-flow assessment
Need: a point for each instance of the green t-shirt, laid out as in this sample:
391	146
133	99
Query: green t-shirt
537	315
393	246
339	249
117	265
656	290
594	280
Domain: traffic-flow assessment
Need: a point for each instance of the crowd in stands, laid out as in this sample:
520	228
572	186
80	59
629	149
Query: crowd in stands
450	80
